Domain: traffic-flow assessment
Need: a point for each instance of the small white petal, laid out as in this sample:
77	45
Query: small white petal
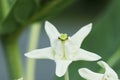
86	55
70	49
58	48
51	31
109	72
79	36
90	75
45	53
61	67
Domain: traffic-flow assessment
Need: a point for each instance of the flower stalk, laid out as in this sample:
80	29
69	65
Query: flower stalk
66	76
33	41
114	58
12	56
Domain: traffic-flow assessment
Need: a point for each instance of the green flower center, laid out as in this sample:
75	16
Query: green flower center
63	37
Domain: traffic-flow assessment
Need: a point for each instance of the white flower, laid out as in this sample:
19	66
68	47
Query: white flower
64	49
109	73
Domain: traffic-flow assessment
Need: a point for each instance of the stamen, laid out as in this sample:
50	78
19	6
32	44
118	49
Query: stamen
63	37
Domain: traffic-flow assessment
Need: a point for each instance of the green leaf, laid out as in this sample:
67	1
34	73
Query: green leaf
4	9
24	12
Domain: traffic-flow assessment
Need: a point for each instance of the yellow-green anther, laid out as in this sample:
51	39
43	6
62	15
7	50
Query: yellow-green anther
63	37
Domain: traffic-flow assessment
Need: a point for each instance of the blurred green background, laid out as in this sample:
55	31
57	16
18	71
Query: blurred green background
68	16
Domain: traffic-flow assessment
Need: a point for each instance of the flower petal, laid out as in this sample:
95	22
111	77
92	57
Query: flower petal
45	53
90	75
79	36
51	31
109	72
61	67
19	78
58	49
86	55
70	49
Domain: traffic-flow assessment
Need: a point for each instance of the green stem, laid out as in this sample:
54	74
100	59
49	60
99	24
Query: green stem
12	57
114	58
33	41
66	76
4	7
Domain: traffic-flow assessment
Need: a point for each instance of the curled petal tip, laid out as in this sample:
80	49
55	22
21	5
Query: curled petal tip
84	72
59	75
99	62
102	64
47	22
95	58
99	57
27	54
81	70
89	26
